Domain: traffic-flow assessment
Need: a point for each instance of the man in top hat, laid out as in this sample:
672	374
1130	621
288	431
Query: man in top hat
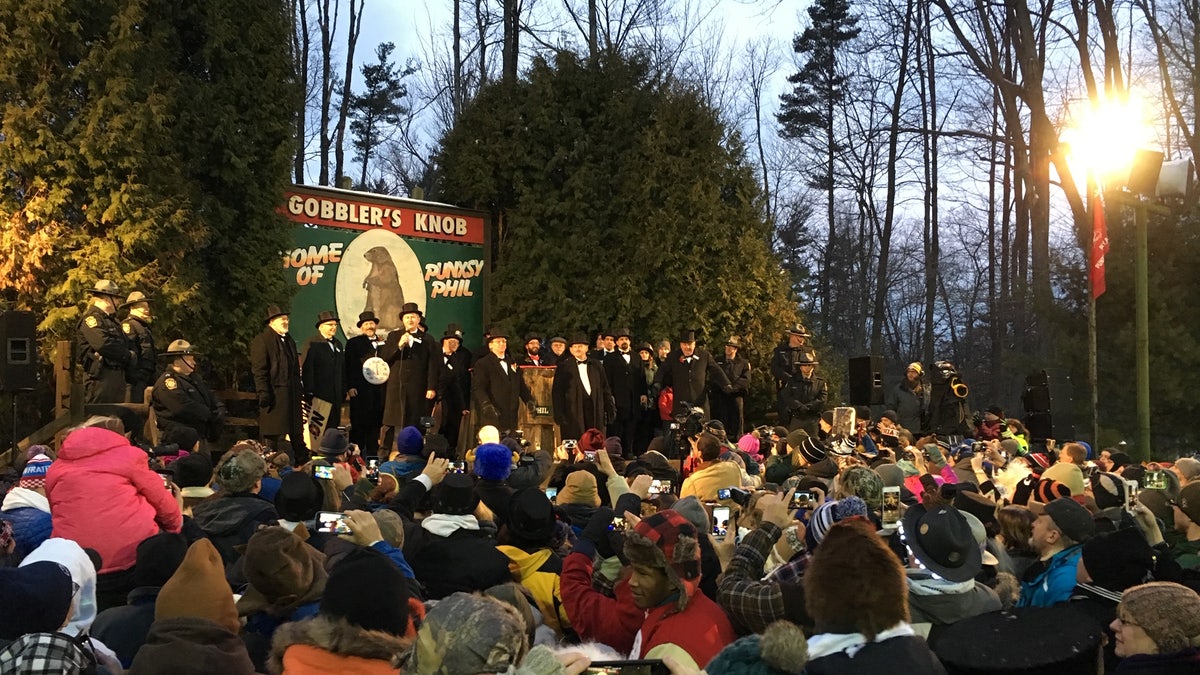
275	362
324	367
412	384
729	407
533	355
606	343
101	349
689	371
366	399
786	359
624	371
803	397
181	399
454	383
582	398
497	386
136	327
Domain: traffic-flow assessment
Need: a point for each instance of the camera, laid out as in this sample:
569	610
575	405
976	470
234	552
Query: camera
427	423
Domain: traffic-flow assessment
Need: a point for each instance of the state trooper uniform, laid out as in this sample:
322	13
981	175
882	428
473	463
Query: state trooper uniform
101	349
182	399
137	331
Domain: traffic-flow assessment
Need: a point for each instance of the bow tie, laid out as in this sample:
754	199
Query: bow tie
581	363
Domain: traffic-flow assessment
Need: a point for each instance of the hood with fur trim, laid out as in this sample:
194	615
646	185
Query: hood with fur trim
323	644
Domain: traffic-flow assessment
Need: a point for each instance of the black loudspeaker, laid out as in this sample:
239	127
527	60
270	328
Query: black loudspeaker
866	380
1047	403
18	351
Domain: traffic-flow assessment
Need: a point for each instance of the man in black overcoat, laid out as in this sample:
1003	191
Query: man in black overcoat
275	363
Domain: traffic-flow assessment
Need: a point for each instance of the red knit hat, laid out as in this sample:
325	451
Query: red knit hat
592	439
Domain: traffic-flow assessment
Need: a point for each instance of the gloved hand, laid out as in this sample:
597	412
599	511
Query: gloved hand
266	400
596	531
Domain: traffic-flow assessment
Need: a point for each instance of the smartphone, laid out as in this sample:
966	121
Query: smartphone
1154	480
166	477
618	524
664	486
724	493
373	470
801	500
373	463
551	493
325	472
457	467
891	505
589	455
331	522
1131	490
843	422
720	522
636	667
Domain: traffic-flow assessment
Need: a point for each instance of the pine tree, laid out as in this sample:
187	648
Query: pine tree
146	141
378	107
808	111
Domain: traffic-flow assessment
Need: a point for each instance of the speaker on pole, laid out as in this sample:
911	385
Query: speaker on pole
18	352
865	377
1047	402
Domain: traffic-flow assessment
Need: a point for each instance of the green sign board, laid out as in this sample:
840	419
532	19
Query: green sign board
357	252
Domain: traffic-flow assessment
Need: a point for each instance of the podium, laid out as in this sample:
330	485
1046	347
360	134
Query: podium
538	424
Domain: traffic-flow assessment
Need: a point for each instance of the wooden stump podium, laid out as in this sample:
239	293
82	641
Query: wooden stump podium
538	424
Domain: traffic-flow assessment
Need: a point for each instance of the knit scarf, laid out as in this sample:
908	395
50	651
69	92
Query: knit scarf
827	644
922	585
444	525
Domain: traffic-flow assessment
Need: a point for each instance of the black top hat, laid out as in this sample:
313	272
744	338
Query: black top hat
608	333
134	298
579	339
180	348
496	332
105	287
942	540
1060	640
455	495
274	311
532	336
454	331
365	317
623	332
530	516
687	336
325	316
410	308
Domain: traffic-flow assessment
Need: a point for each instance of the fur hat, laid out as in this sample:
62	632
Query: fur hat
580	488
466	633
199	589
1108	489
493	461
854	556
283	573
1118	560
782	648
668	541
33	476
1168	612
410	441
455	495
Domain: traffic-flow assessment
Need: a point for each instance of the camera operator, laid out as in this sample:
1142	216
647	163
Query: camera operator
803	397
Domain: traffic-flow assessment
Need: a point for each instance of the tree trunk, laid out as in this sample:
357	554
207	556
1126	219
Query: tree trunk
339	145
328	25
301	46
826	291
593	25
512	27
456	96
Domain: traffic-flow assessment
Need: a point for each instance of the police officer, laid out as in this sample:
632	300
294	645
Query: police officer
785	360
181	399
101	348
136	327
802	399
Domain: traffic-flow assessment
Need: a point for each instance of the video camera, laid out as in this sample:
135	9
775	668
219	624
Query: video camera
686	421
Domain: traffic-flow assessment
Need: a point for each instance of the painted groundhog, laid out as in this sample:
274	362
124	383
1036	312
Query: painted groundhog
384	295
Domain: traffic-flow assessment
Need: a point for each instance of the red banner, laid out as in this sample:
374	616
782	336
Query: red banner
1099	246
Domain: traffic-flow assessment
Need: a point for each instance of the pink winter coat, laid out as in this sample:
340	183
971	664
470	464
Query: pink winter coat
104	496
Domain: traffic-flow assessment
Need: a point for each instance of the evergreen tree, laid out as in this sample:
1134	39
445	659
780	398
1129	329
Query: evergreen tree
808	111
616	199
147	141
378	107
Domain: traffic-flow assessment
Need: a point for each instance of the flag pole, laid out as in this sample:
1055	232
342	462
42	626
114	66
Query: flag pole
1093	379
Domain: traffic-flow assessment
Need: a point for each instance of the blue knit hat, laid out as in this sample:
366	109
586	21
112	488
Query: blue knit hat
410	441
493	461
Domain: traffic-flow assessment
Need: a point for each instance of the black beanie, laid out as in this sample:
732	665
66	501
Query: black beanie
367	589
299	498
158	557
195	470
1118	560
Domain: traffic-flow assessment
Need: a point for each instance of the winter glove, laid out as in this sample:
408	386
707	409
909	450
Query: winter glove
265	400
596	531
